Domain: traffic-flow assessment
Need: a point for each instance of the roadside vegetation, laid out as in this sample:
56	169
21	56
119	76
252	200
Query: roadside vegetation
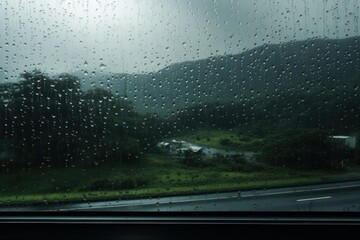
61	143
158	176
225	139
306	149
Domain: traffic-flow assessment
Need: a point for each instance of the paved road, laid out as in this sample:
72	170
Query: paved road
325	197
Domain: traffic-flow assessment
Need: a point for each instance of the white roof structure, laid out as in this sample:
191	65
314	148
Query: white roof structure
178	145
350	141
195	149
163	144
340	137
177	141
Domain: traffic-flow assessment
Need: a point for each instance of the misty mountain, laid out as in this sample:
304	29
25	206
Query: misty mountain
312	66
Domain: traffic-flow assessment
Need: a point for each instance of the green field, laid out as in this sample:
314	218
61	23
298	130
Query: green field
213	138
158	176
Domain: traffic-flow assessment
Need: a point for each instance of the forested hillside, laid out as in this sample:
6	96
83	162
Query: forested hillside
319	66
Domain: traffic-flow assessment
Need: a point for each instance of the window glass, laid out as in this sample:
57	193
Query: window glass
168	105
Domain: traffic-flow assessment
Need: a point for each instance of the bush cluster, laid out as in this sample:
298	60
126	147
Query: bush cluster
305	149
122	184
235	163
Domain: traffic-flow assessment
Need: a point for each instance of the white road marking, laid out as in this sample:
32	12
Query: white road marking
149	204
313	199
217	198
302	190
338	187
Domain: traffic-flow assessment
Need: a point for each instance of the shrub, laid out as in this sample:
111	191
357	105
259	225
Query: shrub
357	150
225	142
192	159
304	149
101	184
122	184
131	153
235	163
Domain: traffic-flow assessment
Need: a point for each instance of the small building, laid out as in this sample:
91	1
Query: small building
349	141
193	149
164	146
178	147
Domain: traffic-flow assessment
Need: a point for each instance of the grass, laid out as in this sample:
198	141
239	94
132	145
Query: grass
213	138
159	176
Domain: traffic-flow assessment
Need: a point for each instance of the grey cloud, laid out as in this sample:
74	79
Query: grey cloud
146	35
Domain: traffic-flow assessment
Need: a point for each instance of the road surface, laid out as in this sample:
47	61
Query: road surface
325	197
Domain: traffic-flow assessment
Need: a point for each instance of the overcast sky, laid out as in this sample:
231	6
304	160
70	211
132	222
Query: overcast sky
146	35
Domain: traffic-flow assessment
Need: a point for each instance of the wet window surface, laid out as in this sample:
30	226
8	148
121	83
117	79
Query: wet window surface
179	105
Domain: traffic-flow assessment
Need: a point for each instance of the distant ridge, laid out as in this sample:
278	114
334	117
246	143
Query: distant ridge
310	66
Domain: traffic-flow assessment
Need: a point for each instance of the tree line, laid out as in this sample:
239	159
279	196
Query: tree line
337	112
50	121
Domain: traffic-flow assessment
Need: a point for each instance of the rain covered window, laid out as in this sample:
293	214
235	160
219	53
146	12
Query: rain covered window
194	105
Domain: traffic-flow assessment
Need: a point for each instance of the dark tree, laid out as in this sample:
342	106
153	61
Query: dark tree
49	121
304	149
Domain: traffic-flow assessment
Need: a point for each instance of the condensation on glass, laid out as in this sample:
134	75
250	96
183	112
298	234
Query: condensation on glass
179	105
